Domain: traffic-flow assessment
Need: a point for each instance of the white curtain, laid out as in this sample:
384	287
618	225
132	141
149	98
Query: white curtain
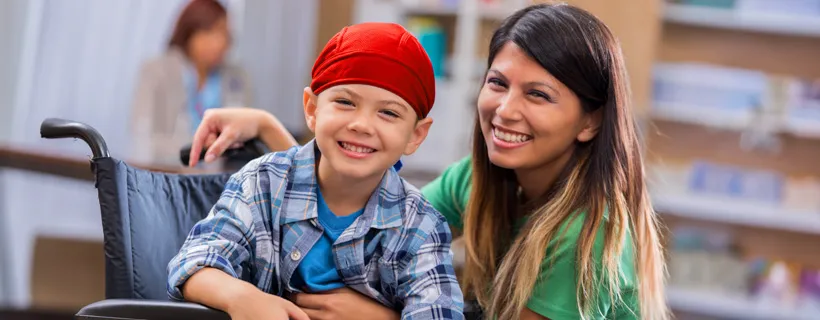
78	60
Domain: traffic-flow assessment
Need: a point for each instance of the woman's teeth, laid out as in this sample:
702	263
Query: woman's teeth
358	149
510	137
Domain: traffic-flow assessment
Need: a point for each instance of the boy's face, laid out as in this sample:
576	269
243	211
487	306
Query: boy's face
363	130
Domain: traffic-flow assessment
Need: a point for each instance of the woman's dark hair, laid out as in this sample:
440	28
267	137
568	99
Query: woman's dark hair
196	16
604	180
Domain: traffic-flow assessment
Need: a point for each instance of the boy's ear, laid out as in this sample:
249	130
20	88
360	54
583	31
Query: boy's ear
592	124
419	134
309	102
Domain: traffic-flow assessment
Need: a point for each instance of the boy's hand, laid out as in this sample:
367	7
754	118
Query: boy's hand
263	306
343	303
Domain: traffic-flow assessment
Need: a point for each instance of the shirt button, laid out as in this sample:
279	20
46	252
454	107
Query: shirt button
295	255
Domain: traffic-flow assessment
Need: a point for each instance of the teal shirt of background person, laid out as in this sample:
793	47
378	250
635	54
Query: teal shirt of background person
209	96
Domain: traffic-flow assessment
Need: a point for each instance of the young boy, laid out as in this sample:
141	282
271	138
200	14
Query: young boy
333	213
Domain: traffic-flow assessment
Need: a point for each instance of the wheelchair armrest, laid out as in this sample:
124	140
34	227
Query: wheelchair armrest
250	150
122	309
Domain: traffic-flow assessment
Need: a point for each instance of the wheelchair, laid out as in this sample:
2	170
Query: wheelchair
146	217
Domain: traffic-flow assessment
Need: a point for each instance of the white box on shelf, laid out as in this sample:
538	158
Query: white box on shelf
802	112
707	94
802	194
779	7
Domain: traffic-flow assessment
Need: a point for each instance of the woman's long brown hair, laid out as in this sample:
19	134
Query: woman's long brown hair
604	180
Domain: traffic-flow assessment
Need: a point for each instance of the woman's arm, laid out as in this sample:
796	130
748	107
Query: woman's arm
274	134
221	128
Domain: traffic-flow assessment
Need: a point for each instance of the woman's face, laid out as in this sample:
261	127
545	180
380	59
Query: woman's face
207	47
528	118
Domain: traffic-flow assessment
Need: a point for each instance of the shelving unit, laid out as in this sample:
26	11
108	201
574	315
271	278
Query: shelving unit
777	45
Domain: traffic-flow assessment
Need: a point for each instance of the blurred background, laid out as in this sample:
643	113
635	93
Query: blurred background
727	93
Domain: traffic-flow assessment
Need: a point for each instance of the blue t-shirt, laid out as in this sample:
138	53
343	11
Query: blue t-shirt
317	271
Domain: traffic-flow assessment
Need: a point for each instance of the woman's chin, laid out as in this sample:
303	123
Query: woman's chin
505	161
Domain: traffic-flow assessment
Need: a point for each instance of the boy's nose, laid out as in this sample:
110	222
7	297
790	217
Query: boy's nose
361	124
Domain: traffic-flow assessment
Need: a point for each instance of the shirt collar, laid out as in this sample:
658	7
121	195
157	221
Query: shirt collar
383	209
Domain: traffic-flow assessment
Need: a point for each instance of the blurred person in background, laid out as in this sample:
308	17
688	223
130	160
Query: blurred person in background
175	89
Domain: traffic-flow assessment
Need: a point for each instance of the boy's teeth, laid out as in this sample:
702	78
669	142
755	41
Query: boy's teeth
510	137
356	148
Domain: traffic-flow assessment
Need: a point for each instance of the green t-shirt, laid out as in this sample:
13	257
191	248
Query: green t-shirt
554	295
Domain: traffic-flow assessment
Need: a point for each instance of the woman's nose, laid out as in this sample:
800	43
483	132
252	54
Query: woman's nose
510	108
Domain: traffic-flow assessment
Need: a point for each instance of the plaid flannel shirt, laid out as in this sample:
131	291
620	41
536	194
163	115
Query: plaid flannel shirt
397	252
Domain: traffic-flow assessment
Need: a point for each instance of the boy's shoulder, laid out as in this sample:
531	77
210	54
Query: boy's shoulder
416	203
418	212
420	223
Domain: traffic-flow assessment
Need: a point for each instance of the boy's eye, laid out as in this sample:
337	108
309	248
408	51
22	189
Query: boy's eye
390	113
343	101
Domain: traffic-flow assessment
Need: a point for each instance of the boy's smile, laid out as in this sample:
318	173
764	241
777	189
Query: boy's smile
355	150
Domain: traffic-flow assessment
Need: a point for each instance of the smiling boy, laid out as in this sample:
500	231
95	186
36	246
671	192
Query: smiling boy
333	213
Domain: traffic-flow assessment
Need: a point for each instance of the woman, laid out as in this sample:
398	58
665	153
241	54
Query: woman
175	89
553	206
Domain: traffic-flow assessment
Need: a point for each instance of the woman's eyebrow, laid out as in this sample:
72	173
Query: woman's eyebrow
497	74
530	84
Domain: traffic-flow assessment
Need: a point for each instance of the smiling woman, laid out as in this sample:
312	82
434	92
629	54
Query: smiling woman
556	166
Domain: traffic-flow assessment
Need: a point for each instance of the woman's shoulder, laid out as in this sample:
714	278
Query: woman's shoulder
160	64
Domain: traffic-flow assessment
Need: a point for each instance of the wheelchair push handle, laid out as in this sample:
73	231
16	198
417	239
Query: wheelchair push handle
56	128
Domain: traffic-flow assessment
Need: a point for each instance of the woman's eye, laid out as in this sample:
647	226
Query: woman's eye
496	82
540	95
390	113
